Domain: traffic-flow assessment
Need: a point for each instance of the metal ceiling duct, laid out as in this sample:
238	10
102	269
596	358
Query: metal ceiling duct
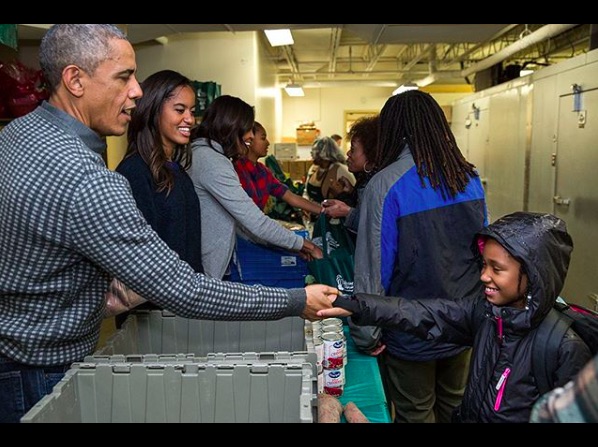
540	35
546	32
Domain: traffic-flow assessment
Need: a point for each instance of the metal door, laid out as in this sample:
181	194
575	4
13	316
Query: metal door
576	192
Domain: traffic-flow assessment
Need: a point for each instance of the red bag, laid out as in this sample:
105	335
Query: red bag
22	89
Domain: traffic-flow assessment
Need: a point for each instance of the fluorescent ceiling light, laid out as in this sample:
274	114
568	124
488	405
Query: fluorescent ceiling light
406	87
294	90
278	37
525	72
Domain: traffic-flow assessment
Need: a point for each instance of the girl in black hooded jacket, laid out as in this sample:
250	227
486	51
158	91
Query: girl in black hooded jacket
524	259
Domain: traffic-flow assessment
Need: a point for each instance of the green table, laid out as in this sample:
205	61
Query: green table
363	385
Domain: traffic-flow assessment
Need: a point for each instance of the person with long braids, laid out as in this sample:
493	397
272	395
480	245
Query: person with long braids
418	216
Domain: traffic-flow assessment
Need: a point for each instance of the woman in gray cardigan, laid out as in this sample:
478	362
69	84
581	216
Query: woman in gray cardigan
227	125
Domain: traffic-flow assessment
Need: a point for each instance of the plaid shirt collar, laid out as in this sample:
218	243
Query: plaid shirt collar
70	124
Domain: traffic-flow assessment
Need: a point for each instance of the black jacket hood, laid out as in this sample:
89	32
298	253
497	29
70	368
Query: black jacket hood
541	243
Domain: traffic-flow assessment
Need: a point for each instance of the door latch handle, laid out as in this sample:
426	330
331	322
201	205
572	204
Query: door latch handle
558	200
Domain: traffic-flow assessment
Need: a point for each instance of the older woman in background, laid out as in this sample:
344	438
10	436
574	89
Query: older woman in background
329	166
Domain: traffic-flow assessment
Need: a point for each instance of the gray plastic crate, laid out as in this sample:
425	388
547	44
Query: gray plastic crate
162	332
229	358
183	391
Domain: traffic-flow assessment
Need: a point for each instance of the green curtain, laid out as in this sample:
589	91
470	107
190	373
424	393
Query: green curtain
8	35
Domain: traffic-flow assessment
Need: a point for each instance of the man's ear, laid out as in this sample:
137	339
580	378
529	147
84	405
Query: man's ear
71	78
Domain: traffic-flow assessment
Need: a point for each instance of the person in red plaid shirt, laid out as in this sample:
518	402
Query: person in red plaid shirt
258	181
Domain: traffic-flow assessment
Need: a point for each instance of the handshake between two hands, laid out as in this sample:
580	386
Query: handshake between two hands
324	302
320	303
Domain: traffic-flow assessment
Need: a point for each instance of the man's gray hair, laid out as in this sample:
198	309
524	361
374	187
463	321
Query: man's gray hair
85	46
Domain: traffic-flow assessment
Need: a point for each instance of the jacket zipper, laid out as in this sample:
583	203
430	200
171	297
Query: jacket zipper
500	386
499	329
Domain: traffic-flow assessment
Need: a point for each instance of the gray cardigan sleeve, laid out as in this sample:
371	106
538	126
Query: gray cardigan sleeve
222	182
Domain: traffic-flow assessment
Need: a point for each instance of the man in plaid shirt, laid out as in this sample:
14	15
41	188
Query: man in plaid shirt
68	225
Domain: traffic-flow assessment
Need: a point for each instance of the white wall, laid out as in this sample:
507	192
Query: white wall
326	107
236	61
225	58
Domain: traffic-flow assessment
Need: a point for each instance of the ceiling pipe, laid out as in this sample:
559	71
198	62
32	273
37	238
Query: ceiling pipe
335	41
496	36
376	53
434	76
539	35
289	55
546	32
349	83
340	73
438	76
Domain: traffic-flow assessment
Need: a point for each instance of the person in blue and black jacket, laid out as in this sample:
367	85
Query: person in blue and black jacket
417	219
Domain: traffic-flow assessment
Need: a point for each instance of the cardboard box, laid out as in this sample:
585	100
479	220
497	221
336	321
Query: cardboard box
307	136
